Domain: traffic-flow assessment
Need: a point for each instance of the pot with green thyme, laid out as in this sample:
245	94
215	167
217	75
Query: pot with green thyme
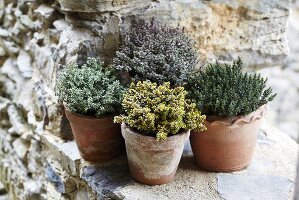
155	126
234	103
92	97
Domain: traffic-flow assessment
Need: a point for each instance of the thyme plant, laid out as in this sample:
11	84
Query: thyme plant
90	90
155	53
226	91
159	111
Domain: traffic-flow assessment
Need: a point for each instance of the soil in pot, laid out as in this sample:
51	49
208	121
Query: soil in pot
98	139
228	143
150	161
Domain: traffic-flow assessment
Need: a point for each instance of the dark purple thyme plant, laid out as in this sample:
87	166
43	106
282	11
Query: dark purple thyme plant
155	53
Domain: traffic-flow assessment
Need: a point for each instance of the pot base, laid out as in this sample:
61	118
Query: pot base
97	139
138	176
97	157
232	169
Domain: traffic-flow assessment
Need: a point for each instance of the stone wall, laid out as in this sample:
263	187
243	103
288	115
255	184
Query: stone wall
37	38
284	112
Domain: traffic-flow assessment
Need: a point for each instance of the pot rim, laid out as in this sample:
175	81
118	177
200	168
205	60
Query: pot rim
239	119
123	125
88	117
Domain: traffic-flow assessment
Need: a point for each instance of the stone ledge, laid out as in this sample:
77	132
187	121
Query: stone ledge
65	152
271	168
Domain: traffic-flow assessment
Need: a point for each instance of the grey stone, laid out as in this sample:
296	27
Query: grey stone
260	44
263	6
17	121
9	69
66	153
4	197
45	11
2	6
61	25
2	189
284	108
2	51
187	149
62	180
18	28
82	193
57	33
106	180
38	37
263	139
21	147
55	179
33	189
4	33
99	6
253	187
26	21
260	165
24	64
11	47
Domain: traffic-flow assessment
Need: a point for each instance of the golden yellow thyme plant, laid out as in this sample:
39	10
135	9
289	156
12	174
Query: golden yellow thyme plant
159	111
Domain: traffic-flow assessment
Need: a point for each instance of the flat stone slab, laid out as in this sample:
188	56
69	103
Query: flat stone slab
253	187
270	176
66	153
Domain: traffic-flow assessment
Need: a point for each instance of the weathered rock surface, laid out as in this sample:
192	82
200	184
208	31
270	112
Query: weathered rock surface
37	40
271	175
232	187
284	111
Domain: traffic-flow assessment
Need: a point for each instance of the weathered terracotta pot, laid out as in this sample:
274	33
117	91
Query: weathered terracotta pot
98	139
153	162
228	143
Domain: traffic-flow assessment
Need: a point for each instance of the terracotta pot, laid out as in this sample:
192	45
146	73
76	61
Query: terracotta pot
228	143
98	139
153	162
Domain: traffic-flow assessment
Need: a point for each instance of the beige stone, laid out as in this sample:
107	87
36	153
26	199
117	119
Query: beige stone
39	38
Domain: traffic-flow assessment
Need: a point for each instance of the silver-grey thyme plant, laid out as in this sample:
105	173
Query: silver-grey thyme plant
226	91
156	53
90	89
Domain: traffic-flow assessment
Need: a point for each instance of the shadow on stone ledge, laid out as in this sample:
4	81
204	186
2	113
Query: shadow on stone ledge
106	180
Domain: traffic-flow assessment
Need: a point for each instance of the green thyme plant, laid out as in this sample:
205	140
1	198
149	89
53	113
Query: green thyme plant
155	53
159	111
90	90
226	91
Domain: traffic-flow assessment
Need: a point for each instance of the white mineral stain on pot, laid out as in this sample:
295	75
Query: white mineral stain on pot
154	158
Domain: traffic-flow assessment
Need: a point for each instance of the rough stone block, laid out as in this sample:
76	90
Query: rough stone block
21	147
24	64
66	153
62	181
253	187
39	38
270	165
105	181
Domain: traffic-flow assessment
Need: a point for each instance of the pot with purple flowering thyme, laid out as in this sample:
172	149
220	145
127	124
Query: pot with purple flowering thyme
234	103
92	96
157	53
155	125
